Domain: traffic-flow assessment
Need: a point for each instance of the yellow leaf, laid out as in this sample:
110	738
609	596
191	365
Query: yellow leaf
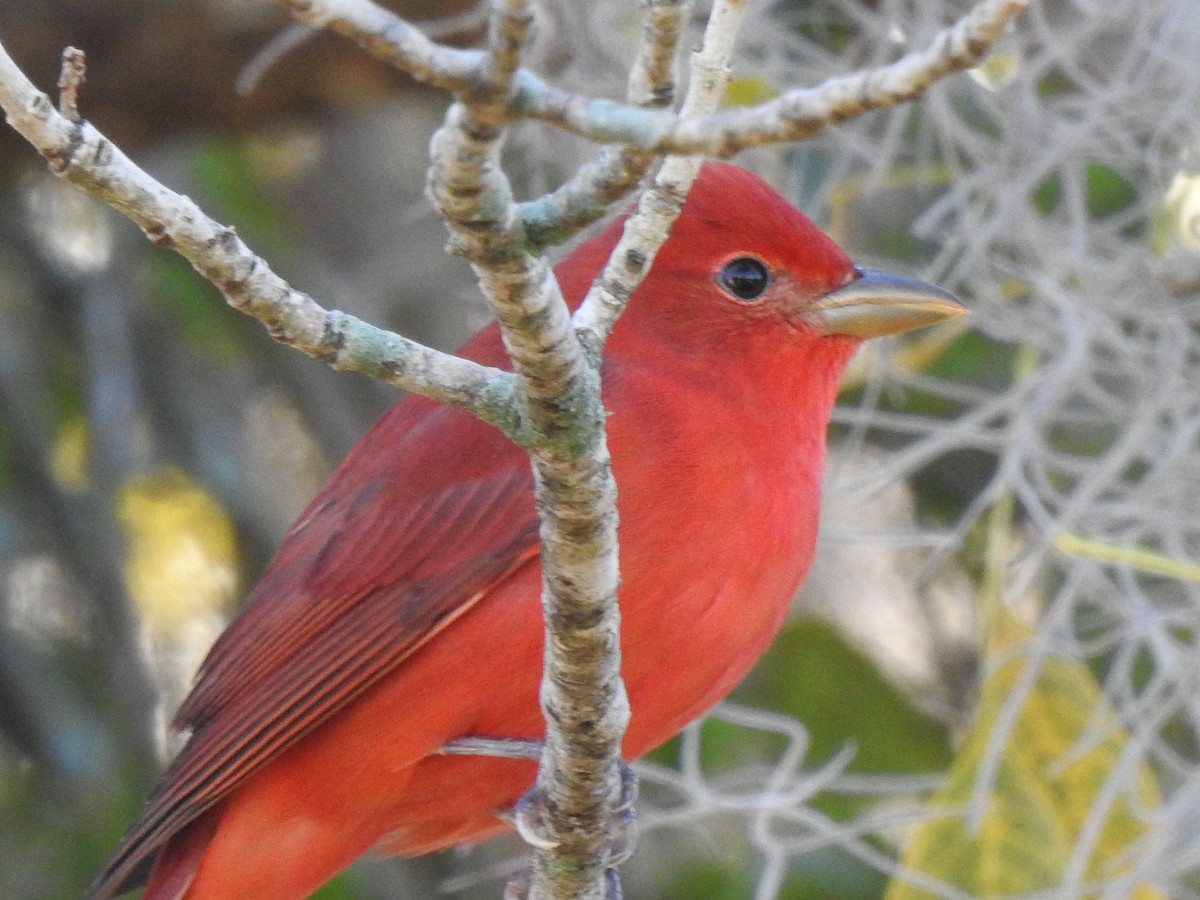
1055	762
997	70
749	90
1136	558
181	561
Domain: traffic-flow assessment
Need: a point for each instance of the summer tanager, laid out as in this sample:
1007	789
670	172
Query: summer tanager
401	611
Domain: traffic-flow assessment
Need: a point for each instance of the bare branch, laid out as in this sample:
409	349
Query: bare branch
795	115
82	155
584	198
652	76
800	114
408	47
503	748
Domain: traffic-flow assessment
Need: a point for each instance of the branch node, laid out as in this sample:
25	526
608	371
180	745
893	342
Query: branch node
71	78
333	337
158	235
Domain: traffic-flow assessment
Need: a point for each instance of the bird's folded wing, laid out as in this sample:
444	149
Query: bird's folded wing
359	583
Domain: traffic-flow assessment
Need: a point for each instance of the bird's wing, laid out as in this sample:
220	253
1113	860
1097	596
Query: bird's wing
429	512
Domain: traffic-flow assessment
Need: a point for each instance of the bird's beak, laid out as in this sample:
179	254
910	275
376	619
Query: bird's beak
879	303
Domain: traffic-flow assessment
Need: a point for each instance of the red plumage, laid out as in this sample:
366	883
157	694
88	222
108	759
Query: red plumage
402	609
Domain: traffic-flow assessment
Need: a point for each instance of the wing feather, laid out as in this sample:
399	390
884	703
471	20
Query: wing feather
431	510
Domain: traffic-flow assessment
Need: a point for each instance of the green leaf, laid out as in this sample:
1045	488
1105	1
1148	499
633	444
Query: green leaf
1107	191
196	309
345	886
749	90
231	183
812	675
715	882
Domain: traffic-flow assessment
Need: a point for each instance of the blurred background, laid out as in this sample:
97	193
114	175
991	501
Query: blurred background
990	678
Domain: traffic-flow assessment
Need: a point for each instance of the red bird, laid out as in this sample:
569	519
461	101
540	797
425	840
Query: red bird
402	609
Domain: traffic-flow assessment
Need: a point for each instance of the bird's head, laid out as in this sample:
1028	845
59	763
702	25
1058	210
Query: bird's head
743	270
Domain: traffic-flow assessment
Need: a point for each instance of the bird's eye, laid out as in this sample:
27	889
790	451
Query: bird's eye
746	278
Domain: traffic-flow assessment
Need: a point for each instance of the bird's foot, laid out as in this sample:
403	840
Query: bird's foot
529	815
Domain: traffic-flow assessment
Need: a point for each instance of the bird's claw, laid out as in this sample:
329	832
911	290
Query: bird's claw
612	885
623	839
529	819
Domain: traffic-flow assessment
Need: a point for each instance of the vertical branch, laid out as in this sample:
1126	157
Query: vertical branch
583	698
652	76
582	695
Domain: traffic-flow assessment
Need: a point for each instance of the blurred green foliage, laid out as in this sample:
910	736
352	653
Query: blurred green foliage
811	674
1106	192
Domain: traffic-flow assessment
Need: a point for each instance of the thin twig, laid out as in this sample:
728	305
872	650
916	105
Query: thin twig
391	39
501	748
652	76
70	82
795	115
800	114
